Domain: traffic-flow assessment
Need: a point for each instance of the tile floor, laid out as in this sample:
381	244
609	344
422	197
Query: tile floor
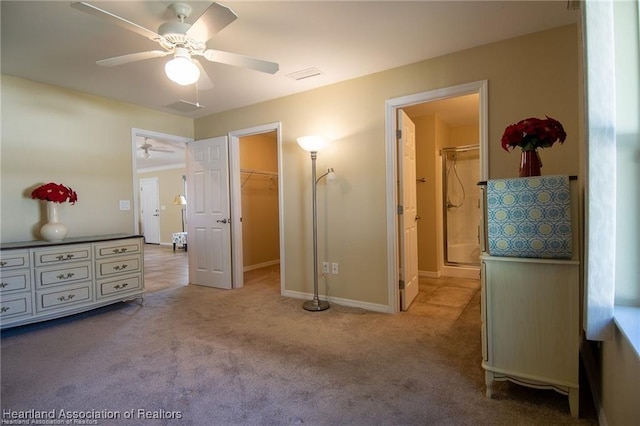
443	297
164	268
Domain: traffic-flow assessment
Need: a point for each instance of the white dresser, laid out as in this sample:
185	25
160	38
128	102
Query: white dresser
40	280
531	331
530	310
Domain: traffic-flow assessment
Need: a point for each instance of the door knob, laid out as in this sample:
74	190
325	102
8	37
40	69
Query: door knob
222	221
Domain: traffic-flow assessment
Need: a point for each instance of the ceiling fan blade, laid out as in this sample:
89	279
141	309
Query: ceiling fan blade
214	19
240	61
204	82
132	57
115	19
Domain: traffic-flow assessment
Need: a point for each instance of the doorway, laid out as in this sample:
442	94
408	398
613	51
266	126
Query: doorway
256	201
413	105
259	199
166	161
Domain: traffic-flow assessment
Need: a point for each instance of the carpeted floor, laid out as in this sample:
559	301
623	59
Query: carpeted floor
252	357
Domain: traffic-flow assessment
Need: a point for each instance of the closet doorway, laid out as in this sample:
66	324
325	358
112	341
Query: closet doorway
256	203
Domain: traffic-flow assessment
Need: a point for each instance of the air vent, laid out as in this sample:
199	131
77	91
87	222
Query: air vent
307	73
184	106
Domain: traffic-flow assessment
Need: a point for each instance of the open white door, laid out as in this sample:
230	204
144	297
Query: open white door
150	210
408	213
209	228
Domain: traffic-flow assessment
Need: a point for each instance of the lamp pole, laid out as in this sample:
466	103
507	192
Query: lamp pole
315	304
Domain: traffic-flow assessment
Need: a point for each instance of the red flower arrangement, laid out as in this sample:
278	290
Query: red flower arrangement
533	133
55	192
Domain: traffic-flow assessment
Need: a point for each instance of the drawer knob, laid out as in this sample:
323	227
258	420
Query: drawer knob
4	309
3	285
118	286
2	264
120	267
120	250
66	298
65	276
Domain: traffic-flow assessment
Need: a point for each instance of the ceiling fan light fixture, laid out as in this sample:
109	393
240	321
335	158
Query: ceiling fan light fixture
181	69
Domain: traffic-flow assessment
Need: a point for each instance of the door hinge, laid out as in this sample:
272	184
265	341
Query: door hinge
401	284
398	134
400	210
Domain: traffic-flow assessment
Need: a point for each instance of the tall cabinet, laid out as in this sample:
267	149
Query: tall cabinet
531	317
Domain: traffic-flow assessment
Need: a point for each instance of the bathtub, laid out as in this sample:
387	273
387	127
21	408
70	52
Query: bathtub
463	261
466	253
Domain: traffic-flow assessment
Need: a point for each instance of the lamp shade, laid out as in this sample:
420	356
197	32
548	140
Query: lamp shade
331	175
180	200
312	143
181	69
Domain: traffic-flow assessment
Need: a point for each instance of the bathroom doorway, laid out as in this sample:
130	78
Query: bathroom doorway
440	123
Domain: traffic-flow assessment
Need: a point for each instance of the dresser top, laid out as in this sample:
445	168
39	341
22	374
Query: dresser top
74	240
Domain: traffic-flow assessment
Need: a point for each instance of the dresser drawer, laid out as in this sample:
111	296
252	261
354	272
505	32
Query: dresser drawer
121	285
64	254
63	296
117	248
14	259
63	274
120	265
12	281
15	306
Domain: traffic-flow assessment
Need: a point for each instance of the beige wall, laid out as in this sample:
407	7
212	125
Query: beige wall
170	184
260	229
620	381
352	217
82	141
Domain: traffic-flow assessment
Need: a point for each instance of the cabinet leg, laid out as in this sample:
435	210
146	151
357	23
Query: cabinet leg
574	401
488	380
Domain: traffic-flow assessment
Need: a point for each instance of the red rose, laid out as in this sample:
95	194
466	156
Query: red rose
55	192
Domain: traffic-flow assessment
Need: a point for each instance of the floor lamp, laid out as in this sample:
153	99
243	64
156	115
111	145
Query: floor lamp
180	201
313	144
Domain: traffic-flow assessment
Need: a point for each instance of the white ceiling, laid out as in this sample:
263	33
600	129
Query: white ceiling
50	42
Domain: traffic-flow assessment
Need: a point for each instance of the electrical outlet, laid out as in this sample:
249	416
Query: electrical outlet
325	267
334	268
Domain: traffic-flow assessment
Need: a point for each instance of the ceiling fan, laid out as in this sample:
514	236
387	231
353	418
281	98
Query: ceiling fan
183	41
147	148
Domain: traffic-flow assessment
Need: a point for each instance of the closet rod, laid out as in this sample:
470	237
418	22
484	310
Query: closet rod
258	172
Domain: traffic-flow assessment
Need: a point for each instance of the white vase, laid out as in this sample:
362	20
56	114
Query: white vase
53	230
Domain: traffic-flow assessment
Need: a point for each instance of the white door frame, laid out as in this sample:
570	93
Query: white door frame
236	199
391	107
136	181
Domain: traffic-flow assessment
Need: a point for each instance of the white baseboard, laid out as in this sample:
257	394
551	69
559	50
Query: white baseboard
261	265
340	301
